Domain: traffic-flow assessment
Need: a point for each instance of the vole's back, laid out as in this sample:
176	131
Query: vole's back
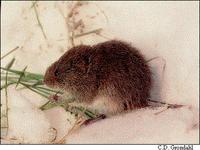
123	74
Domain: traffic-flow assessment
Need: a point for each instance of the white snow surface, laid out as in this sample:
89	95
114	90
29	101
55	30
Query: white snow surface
27	122
165	29
142	126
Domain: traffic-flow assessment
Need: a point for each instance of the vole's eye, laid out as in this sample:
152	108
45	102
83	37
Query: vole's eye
56	73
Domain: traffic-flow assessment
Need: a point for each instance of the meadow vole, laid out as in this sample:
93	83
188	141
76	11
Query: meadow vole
113	73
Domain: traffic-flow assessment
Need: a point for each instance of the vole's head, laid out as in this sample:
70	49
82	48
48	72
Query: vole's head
71	70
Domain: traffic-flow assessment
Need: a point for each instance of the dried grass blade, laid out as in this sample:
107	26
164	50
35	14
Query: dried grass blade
22	75
97	31
9	65
9	52
6	92
39	22
44	106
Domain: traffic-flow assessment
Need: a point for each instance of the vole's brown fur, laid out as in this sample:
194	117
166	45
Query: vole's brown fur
112	69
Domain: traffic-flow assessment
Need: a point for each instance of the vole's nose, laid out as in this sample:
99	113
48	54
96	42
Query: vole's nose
48	81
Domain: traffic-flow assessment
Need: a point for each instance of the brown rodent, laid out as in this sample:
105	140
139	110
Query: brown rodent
112	72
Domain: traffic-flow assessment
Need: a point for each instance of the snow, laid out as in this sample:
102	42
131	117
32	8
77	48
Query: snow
165	29
142	126
27	123
61	120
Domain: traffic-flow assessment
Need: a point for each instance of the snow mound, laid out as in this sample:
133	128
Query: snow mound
27	123
142	127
